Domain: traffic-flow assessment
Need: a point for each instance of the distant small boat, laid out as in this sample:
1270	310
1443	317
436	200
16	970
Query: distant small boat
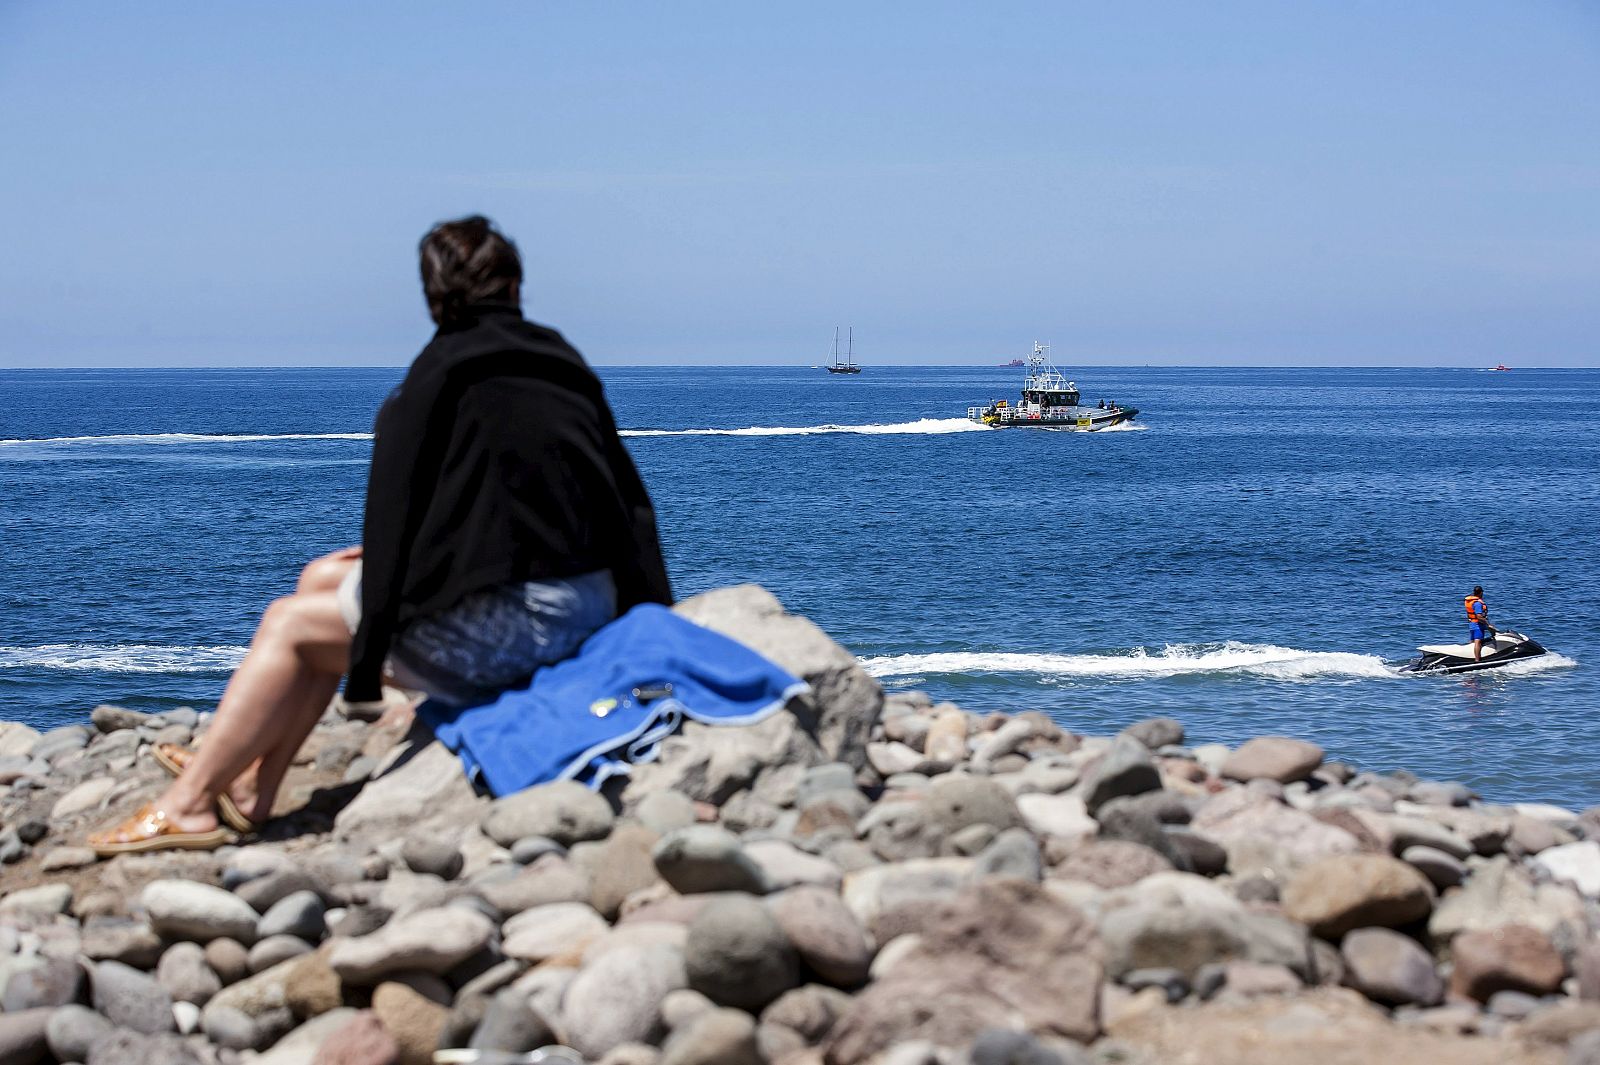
848	363
1502	366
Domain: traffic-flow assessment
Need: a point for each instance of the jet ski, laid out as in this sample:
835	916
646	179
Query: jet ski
1506	647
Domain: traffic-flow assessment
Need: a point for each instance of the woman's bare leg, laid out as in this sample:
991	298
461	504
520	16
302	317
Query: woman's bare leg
300	650
257	788
254	789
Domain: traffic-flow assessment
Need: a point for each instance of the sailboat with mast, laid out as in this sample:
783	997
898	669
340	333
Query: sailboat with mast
848	363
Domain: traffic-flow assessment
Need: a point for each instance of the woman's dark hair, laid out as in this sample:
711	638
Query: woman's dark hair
467	261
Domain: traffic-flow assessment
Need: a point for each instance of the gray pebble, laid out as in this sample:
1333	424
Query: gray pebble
297	914
432	854
186	976
72	1030
129	998
274	950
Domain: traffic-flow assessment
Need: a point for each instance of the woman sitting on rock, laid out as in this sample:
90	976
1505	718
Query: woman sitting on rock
505	523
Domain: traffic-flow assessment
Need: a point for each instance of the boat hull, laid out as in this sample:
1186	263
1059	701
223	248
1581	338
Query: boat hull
1080	423
844	369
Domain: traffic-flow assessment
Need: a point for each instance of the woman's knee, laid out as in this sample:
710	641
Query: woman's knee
323	574
279	620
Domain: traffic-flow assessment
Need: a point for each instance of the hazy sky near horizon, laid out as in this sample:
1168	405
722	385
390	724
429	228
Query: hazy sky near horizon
1165	182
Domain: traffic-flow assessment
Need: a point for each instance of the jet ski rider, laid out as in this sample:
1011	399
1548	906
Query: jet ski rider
1478	622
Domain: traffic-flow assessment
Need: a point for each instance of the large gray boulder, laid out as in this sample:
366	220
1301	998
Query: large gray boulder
844	702
421	787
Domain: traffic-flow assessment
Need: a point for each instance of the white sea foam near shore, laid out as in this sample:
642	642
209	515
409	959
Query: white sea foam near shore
123	657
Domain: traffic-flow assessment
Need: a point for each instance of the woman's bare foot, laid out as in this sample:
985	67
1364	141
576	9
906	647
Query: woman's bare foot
247	811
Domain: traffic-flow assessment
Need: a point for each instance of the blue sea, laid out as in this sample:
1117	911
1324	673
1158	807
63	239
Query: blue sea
1254	557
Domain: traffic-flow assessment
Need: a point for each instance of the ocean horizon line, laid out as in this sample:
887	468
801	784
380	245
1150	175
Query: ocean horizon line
259	367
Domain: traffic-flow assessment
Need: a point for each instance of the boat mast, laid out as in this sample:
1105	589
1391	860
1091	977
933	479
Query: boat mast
850	357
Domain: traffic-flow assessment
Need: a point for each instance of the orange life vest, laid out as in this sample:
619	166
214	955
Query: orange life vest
1473	605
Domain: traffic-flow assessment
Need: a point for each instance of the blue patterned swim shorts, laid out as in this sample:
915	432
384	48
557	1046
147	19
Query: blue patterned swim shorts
492	641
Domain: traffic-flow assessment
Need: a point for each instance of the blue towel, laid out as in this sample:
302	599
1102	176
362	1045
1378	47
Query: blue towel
630	686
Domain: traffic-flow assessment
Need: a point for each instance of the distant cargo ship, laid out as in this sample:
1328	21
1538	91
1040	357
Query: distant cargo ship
1014	364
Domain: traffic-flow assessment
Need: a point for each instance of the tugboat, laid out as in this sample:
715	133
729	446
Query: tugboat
1050	401
848	365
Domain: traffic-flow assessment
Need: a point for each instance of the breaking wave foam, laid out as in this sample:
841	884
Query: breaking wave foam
123	658
185	438
1261	660
920	427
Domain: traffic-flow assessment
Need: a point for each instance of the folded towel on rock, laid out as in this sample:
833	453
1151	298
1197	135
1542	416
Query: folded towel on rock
630	686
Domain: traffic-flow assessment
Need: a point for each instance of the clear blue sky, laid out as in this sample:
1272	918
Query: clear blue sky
1276	183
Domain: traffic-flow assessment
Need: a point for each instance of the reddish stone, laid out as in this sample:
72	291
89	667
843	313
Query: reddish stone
364	1041
1513	957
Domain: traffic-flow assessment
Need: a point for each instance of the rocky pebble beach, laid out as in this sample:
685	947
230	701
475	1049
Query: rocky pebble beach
862	879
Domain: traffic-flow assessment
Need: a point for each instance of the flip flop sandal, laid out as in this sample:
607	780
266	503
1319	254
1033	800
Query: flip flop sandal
175	757
150	829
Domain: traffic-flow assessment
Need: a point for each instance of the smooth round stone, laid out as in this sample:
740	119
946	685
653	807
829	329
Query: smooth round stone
432	854
72	1030
186	976
557	929
716	1037
1512	1005
121	939
738	955
37	983
229	959
182	909
617	998
663	811
706	858
565	811
1390	968
1442	870
230	1028
298	914
131	999
511	1024
274	950
186	1015
825	933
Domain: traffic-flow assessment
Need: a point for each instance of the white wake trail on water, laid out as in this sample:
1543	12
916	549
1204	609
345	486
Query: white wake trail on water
185	438
1545	663
920	427
123	657
1262	660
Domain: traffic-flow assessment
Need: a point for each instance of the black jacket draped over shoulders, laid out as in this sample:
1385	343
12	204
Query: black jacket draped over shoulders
495	460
